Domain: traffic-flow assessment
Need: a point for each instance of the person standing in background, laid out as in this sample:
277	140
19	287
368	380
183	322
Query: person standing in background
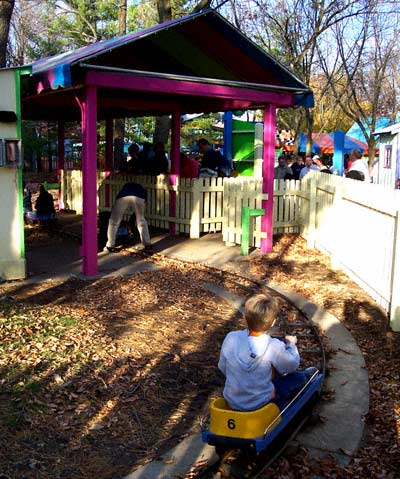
131	195
358	164
309	165
283	171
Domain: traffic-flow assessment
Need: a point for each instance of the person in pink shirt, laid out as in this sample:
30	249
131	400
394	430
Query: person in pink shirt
189	167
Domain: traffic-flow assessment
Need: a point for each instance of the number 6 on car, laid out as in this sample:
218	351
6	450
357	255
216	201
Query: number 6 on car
231	423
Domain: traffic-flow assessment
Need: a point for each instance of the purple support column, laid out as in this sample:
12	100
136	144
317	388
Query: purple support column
268	176
60	158
89	185
175	165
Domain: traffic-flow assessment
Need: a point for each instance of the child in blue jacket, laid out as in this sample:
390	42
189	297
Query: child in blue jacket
249	356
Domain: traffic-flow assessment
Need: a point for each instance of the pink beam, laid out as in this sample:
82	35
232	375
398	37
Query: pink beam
268	176
89	185
184	87
60	159
175	165
137	104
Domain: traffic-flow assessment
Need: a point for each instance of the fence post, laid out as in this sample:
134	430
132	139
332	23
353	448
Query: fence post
62	187
195	217
247	213
258	149
395	280
337	247
312	214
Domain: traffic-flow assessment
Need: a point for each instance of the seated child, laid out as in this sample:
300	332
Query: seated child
45	212
248	356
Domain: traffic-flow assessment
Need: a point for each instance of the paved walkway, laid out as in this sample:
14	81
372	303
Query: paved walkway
340	433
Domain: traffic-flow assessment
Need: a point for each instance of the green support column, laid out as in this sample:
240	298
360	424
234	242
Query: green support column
247	214
20	167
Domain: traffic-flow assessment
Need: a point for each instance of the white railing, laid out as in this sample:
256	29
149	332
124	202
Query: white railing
291	208
202	205
357	224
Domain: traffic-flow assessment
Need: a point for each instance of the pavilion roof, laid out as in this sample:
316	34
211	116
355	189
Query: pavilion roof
202	47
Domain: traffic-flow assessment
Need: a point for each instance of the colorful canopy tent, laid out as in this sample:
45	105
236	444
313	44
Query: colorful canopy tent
303	143
324	144
198	63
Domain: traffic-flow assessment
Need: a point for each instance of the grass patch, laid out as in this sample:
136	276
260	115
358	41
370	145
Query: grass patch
35	340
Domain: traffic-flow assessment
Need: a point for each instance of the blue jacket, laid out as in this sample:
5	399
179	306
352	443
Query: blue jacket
132	189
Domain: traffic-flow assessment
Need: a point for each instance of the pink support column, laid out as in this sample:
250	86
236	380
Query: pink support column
175	165
60	159
89	185
268	176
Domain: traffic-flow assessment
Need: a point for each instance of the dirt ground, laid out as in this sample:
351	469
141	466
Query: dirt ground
99	377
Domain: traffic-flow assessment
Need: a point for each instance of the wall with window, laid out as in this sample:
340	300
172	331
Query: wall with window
388	171
12	254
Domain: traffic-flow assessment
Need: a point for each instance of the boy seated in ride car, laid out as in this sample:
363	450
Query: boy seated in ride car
249	356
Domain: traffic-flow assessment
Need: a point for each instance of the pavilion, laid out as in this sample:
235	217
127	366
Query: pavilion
198	63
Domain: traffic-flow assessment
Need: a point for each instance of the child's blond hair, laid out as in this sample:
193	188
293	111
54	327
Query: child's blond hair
260	312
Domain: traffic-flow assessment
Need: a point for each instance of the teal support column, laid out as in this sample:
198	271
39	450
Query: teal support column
247	214
338	151
228	127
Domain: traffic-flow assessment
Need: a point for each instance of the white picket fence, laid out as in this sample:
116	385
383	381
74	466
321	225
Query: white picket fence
202	205
356	223
291	208
199	205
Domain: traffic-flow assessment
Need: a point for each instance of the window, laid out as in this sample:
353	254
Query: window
10	153
387	160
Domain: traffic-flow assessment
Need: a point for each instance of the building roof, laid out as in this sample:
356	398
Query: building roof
356	132
389	130
199	48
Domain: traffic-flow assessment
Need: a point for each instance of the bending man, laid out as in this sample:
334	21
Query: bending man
131	195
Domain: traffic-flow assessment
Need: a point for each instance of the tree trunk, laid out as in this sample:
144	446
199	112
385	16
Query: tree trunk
6	9
122	17
163	123
162	127
164	10
371	151
119	124
309	127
